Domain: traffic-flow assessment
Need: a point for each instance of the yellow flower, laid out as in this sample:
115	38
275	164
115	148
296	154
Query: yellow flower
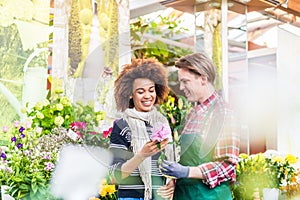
244	155
100	116
40	115
65	101
59	120
45	102
278	159
59	107
259	157
111	189
103	192
291	159
93	198
59	90
38	106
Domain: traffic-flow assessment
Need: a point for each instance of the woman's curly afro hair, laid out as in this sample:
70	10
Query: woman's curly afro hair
140	68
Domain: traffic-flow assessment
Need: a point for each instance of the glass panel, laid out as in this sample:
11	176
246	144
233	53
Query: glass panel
208	31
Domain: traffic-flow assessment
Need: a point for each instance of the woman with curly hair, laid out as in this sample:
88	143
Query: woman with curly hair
139	137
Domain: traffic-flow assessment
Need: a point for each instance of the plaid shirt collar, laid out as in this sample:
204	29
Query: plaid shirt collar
205	105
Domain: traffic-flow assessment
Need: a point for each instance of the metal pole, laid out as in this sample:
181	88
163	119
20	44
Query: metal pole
224	39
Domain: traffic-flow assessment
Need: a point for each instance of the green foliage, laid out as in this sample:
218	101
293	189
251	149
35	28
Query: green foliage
61	112
252	173
29	162
109	33
12	60
75	36
166	27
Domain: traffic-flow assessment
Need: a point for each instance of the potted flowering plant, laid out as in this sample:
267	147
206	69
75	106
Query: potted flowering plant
288	179
257	172
27	165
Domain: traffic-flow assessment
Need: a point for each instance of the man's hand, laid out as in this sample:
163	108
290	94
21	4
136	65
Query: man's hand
174	170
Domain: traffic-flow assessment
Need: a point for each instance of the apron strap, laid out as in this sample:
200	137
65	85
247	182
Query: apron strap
215	127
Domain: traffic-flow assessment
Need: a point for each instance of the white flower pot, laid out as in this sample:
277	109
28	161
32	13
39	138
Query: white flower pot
3	195
271	194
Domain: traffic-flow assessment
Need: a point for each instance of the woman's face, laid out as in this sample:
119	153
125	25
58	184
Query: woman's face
143	94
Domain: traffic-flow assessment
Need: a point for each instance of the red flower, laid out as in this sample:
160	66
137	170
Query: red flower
107	132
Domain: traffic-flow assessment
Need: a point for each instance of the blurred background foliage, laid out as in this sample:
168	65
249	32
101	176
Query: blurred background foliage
13	58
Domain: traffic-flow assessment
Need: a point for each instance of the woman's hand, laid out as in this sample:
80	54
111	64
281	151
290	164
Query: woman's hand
151	148
167	191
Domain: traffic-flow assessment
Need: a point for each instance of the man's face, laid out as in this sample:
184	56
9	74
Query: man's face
192	85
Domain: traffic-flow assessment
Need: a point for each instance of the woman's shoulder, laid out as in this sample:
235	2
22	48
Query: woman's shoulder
121	123
121	126
120	132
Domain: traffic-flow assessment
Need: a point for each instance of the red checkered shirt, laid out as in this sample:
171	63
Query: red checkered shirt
226	152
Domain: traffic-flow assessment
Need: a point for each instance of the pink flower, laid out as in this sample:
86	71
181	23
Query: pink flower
49	166
16	123
28	124
74	126
4	129
48	156
78	125
38	130
107	132
93	133
159	133
79	134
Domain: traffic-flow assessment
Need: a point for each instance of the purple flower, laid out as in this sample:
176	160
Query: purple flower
21	129
22	135
3	155
19	145
14	139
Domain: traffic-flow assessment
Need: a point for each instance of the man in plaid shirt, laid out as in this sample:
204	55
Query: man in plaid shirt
210	139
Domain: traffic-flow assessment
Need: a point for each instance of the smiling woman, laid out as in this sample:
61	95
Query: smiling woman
140	86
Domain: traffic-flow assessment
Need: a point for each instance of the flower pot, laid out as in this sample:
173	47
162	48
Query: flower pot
271	194
3	195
